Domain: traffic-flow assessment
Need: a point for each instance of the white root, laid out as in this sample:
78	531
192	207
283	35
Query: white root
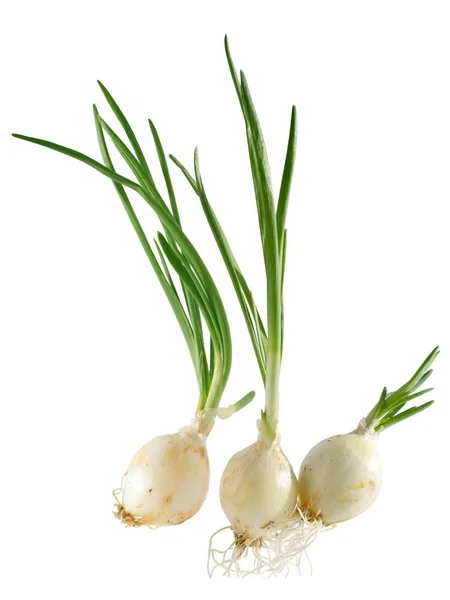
283	547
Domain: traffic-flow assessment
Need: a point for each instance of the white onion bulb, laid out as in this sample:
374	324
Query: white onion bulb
167	480
340	477
258	489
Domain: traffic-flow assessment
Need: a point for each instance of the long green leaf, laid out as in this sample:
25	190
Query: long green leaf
421	371
131	161
234	76
83	158
195	288
166	282
138	170
402	416
192	306
288	171
386	410
228	257
168	221
128	130
165	171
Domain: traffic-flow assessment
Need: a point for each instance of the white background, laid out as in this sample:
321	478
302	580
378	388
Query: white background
92	363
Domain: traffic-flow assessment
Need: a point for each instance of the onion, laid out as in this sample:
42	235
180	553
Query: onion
340	477
258	493
167	480
258	489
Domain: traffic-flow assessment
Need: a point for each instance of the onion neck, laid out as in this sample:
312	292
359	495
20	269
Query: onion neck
207	410
274	343
272	400
364	429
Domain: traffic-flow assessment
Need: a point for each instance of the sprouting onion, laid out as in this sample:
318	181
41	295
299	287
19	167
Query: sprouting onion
259	489
272	217
341	476
167	480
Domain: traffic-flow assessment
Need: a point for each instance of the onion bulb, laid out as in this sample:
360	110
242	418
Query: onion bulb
340	477
258	493
258	490
167	480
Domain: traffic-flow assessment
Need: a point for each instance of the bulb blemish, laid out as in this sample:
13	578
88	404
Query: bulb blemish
140	457
351	497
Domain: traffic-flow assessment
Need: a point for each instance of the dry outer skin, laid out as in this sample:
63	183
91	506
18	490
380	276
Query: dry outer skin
340	477
167	480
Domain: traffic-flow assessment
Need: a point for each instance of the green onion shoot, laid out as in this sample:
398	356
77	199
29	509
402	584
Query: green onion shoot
259	489
167	480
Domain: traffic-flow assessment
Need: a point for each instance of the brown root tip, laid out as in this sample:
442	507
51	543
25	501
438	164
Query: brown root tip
125	517
242	542
240	545
120	513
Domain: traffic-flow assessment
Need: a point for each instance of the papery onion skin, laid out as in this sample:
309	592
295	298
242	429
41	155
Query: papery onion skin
340	477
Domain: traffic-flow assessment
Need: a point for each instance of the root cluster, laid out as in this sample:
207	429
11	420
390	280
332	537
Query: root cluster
281	549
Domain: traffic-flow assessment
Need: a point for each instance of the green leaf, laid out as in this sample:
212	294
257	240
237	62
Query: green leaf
165	267
234	77
242	290
211	359
387	408
394	411
194	313
128	130
222	323
241	287
193	308
380	406
137	169
271	251
223	362
83	158
288	171
165	171
165	281
142	172
146	178
421	372
283	256
402	416
261	174
195	288
186	173
229	411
